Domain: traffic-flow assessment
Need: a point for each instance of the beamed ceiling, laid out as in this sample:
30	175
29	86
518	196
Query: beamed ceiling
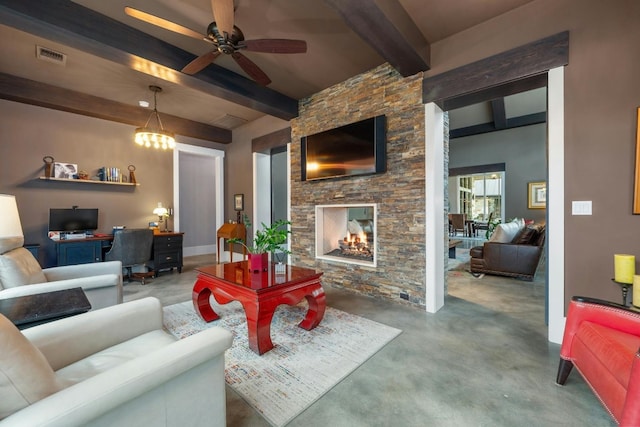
112	58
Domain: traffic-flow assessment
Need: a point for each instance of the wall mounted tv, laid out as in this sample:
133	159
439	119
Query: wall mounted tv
355	149
73	220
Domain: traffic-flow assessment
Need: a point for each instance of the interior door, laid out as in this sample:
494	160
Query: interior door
198	197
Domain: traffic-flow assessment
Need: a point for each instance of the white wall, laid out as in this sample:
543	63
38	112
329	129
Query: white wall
242	173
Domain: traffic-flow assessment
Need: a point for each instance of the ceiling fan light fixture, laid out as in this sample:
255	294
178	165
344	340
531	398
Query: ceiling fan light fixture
226	39
156	137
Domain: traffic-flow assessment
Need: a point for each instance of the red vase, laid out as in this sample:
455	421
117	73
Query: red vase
258	262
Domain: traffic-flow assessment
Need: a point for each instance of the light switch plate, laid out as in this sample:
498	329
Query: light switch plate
582	207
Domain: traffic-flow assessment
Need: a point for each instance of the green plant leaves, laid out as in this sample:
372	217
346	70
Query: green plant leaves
268	239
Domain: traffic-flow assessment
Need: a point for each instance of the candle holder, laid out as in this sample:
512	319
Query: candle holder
625	290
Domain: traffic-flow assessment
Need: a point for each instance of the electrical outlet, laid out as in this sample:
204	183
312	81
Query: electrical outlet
404	295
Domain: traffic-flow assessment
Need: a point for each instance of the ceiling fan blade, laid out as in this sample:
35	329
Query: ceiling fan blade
251	69
223	15
275	45
162	23
200	62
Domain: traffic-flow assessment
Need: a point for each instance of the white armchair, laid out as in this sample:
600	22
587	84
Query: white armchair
20	273
100	281
115	366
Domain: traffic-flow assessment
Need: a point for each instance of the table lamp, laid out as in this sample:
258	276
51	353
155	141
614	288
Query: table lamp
162	212
11	235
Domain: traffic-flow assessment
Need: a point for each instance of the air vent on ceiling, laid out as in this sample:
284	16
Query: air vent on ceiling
46	54
230	122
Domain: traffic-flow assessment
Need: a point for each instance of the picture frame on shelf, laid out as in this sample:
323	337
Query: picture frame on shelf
238	202
65	170
537	195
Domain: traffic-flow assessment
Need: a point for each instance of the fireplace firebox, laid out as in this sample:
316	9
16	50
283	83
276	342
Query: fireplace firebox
347	233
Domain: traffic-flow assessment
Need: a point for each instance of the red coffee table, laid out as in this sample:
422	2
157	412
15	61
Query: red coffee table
259	294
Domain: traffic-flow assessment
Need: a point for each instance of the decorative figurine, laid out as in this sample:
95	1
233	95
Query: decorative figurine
132	175
48	166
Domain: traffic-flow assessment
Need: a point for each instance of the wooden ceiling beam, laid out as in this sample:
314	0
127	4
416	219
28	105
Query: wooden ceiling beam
499	113
514	122
522	62
76	26
27	91
510	88
389	30
272	140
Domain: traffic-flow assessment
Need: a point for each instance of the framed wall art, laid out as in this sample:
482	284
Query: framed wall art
537	195
238	202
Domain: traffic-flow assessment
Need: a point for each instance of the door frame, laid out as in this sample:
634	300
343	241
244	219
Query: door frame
218	159
262	189
434	144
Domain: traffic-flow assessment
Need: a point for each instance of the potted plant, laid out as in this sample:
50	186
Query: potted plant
491	226
267	240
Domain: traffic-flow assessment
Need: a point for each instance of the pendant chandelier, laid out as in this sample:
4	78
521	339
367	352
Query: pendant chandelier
156	136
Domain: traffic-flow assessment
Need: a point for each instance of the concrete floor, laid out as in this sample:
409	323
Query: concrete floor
482	360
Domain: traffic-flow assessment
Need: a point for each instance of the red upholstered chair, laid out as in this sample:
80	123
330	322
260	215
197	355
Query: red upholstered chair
602	340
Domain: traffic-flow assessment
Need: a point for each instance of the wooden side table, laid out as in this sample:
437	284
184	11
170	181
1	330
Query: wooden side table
231	231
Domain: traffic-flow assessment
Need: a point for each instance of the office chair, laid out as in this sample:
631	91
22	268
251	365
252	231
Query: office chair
133	247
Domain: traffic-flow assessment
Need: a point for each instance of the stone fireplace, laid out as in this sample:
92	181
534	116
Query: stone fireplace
398	268
346	233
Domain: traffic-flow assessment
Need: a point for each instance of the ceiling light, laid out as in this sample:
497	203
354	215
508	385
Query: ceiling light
144	104
154	136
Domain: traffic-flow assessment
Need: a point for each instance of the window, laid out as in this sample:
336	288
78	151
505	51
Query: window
487	195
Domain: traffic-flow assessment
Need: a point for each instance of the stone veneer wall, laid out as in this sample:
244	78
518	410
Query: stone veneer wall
446	200
399	193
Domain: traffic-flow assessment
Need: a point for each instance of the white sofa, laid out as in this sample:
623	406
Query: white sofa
112	367
20	274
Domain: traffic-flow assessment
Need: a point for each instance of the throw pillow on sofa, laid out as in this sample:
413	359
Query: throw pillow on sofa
526	236
25	374
504	233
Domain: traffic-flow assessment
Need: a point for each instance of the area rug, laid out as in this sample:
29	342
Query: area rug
461	261
302	366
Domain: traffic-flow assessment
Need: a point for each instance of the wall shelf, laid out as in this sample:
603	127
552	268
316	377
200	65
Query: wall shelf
87	181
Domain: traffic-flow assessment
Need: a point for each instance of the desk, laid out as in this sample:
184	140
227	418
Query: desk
167	250
82	251
31	310
231	231
260	294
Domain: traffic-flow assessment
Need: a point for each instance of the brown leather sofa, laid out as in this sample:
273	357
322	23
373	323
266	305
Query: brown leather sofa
518	259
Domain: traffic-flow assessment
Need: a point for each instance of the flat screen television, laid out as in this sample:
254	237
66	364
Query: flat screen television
73	220
355	149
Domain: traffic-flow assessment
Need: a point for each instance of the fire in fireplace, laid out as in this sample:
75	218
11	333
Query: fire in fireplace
356	244
346	233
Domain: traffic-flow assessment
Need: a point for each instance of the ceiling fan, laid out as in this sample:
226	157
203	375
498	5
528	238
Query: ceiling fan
227	39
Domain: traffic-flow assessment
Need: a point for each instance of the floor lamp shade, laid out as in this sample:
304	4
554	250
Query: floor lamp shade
10	226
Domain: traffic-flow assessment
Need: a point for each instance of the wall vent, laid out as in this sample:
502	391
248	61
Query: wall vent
46	54
229	122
